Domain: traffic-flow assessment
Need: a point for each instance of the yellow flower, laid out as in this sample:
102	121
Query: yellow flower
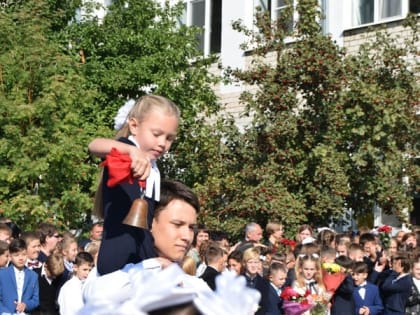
331	267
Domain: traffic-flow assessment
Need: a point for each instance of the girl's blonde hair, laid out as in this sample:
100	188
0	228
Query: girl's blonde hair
143	106
140	110
301	259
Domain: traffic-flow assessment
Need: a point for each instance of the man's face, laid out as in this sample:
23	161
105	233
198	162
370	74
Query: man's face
173	229
96	233
370	248
33	248
255	234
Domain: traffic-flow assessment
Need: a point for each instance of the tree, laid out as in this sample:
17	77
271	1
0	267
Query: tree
329	130
43	174
62	92
140	46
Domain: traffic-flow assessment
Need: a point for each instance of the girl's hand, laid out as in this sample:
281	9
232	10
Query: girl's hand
140	164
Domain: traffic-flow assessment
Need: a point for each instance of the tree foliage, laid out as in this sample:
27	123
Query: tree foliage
43	129
63	75
330	131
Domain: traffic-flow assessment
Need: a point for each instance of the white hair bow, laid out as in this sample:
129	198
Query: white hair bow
122	114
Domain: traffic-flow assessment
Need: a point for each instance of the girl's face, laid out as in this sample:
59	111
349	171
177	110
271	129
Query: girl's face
4	259
393	246
278	278
416	270
252	266
234	265
201	237
304	234
308	269
156	133
71	252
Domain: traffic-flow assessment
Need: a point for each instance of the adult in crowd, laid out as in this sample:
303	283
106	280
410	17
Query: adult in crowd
95	234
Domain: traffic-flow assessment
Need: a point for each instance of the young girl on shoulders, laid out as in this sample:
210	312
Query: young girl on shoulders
146	130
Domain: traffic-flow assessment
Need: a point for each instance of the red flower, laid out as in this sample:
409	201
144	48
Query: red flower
385	229
288	242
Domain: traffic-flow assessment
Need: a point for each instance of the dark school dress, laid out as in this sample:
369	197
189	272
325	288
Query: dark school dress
122	244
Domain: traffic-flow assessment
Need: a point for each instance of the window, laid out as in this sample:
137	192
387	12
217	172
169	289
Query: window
372	11
277	6
207	15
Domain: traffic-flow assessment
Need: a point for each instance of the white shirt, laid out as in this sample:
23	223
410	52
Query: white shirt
20	279
362	290
70	297
153	181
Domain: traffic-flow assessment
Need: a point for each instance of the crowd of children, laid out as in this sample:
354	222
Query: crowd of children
43	271
377	276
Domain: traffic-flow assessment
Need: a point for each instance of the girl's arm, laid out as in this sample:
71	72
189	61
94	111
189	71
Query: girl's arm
140	163
100	147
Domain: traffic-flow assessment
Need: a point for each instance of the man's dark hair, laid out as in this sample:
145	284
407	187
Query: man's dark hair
174	190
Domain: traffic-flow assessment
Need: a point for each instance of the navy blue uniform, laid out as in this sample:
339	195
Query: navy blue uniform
122	244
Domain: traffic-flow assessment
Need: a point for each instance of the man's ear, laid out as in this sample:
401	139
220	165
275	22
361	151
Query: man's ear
132	126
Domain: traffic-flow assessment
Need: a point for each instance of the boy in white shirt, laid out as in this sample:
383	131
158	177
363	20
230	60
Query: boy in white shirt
70	299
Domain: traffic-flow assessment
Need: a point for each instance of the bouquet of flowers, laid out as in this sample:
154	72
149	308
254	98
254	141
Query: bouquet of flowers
384	233
285	244
319	304
332	276
295	303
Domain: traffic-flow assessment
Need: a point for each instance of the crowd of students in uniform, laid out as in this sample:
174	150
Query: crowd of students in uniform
43	271
381	276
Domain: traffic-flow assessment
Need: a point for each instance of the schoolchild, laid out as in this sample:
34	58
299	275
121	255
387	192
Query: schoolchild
413	303
48	283
277	274
366	295
4	254
309	276
18	285
395	290
147	130
5	233
70	298
33	247
342	300
67	247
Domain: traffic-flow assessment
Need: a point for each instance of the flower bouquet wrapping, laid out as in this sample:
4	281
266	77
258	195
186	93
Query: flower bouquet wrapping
295	303
332	276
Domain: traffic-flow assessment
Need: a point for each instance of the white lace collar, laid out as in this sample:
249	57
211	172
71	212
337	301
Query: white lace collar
154	178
